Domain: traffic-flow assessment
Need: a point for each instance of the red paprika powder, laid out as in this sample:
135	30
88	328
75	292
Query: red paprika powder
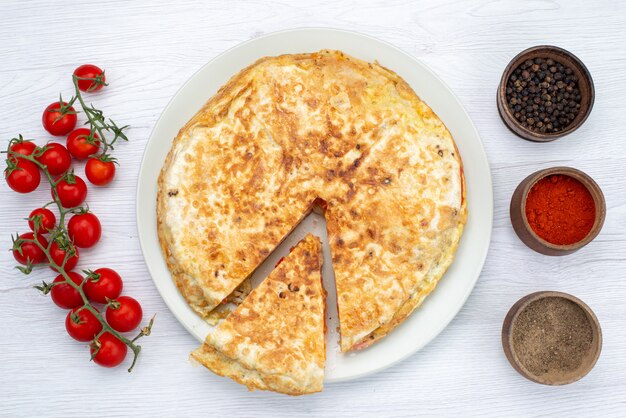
560	209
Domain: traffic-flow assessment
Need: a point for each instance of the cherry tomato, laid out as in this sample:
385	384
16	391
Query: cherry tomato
124	314
64	295
89	71
71	194
30	251
79	146
25	177
99	171
84	229
110	350
102	284
46	222
82	325
58	255
23	147
63	125
56	158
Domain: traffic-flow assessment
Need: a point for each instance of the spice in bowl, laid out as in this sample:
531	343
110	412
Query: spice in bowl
551	338
557	211
560	209
552	335
543	95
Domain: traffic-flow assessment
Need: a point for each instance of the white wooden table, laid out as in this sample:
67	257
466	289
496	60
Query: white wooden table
149	49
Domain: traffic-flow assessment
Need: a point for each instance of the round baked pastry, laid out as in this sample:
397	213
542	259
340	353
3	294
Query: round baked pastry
321	129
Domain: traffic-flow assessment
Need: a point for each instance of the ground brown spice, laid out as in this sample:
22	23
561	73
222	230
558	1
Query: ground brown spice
552	335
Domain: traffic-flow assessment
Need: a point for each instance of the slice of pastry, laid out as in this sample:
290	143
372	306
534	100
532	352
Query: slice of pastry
274	340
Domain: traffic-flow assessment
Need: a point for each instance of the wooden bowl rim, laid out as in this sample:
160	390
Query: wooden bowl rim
509	323
505	114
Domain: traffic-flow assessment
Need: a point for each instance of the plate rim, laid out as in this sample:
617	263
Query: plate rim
443	323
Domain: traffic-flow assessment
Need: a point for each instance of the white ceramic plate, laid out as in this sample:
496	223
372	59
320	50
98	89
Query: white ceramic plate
443	304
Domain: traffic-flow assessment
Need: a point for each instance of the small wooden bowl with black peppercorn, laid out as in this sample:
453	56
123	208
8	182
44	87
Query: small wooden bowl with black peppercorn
551	232
551	338
545	93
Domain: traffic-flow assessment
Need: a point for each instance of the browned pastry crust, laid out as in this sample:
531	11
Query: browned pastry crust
292	130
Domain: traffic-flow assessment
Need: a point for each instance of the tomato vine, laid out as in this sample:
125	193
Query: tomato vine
100	130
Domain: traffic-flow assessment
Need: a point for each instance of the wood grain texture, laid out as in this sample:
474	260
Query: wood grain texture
150	48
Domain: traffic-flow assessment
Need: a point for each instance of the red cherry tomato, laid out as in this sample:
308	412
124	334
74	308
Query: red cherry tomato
84	229
30	251
79	146
89	71
58	255
25	177
82	325
56	158
108	351
99	172
47	220
23	147
63	294
71	194
124	314
56	124
102	284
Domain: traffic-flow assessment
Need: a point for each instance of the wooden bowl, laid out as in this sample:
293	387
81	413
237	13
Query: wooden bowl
525	232
554	378
585	85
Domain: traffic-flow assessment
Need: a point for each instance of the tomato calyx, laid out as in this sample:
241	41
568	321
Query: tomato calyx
28	267
42	220
113	303
96	82
69	177
20	145
65	108
92	276
145	331
95	346
37	221
41	150
12	158
66	249
19	140
80	210
75	317
65	244
92	138
12	165
106	158
17	243
45	288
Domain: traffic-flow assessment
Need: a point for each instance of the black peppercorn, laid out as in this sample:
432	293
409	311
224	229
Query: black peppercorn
543	95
